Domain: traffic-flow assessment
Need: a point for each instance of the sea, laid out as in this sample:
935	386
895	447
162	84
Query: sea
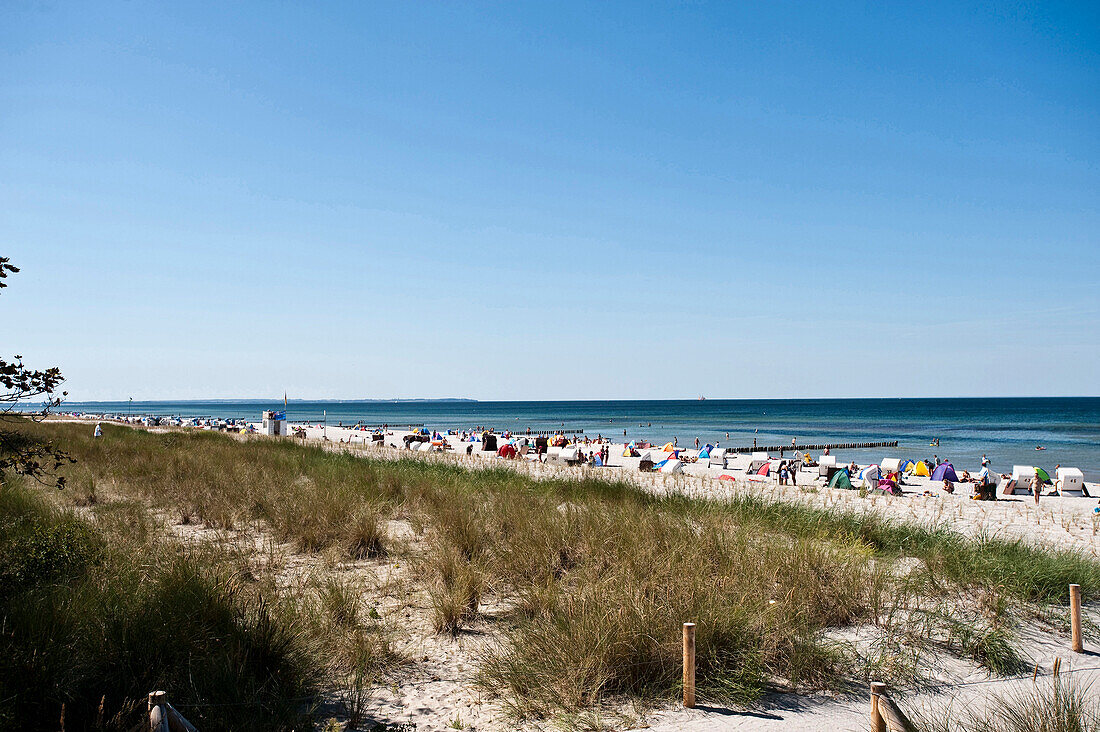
1007	430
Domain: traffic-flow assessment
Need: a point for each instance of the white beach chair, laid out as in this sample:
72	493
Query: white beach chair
1020	482
890	465
824	463
1070	482
718	457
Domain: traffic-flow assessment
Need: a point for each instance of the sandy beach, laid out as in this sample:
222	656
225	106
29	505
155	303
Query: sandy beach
438	691
1057	521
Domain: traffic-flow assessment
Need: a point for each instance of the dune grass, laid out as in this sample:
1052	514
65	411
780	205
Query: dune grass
96	617
1058	704
590	578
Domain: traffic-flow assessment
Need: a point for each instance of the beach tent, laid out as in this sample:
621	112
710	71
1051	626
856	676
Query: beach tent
704	454
841	480
597	460
1043	475
764	469
668	447
672	466
906	466
945	472
507	451
921	468
425	447
726	477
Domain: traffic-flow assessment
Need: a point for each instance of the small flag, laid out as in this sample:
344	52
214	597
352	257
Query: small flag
284	400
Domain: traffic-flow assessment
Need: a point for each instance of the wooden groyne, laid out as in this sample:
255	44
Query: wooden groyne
831	446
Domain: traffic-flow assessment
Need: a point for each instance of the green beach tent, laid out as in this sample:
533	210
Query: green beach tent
841	480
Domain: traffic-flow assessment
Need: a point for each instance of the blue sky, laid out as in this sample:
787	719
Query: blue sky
606	200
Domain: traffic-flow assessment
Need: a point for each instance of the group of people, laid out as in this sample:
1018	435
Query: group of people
788	472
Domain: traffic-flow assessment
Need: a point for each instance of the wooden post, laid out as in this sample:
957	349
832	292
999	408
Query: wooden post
158	715
1076	642
878	723
689	665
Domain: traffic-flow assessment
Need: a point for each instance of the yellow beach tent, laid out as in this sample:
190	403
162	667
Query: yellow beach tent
921	468
668	447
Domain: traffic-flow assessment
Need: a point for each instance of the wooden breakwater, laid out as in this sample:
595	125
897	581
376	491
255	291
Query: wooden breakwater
803	448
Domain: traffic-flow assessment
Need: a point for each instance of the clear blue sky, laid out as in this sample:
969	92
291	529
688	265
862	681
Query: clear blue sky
374	200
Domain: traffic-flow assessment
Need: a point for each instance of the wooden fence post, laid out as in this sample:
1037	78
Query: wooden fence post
878	723
1077	643
689	665
158	713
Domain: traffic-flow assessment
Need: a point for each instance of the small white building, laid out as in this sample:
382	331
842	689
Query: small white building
275	424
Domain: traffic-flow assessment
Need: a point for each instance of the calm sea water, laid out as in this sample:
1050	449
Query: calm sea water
1007	430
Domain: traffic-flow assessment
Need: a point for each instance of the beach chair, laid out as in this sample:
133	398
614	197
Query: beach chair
890	465
1020	482
824	463
717	457
1070	482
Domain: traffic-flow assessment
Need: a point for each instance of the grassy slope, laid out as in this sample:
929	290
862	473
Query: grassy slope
600	574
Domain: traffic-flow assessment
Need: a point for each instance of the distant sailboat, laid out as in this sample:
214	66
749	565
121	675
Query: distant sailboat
702	398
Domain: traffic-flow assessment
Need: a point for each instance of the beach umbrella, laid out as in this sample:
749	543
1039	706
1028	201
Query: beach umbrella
668	447
1043	475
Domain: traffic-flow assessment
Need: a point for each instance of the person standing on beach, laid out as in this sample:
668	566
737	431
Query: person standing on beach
696	443
1036	487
